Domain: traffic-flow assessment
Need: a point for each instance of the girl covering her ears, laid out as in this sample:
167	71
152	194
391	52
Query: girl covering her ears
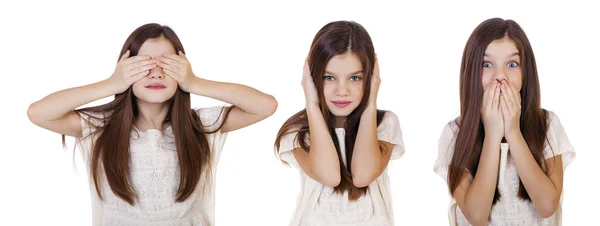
504	157
150	156
341	143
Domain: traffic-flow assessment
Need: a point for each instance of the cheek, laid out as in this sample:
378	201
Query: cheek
137	88
328	90
357	89
486	77
516	78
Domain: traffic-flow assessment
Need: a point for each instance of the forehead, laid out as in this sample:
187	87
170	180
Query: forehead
156	46
345	63
501	48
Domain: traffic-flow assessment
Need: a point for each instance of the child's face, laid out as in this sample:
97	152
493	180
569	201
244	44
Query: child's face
156	87
343	83
502	62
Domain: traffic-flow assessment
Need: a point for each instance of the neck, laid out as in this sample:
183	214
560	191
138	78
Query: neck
339	121
151	115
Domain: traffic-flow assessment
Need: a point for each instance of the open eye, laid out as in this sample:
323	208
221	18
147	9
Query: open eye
487	64
328	78
355	78
512	64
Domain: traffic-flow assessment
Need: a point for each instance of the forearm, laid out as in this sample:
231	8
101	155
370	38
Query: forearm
323	157
367	157
480	195
246	98
541	189
56	105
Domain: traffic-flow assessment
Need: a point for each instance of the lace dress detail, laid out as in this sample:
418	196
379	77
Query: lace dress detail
154	173
318	205
509	210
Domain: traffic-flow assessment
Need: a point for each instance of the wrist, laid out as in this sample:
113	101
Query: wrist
110	84
513	136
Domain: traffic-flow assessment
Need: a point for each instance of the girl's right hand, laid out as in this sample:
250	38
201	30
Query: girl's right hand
130	70
310	91
491	114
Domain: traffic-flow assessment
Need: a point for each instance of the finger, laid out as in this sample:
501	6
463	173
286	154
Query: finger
496	97
510	99
486	93
125	56
171	62
139	69
171	73
376	69
515	94
306	69
134	65
503	106
182	54
140	75
137	58
167	66
174	57
504	101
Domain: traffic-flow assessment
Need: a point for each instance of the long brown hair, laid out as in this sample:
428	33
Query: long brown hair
110	152
533	121
336	38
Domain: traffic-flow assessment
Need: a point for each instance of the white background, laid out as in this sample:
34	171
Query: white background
48	46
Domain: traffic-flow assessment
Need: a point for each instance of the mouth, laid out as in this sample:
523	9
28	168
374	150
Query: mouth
156	86
341	104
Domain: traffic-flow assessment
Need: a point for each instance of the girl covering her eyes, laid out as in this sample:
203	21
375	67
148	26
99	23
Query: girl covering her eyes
151	158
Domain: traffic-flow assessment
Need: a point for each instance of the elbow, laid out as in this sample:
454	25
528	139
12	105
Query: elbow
547	207
477	218
332	180
362	180
32	114
271	106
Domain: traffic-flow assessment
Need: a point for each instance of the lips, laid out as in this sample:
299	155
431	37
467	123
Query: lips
341	104
156	86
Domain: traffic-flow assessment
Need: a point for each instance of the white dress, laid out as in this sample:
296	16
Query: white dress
509	210
319	205
154	174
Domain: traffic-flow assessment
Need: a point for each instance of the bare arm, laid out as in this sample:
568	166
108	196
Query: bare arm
55	112
475	196
250	105
321	163
544	190
368	160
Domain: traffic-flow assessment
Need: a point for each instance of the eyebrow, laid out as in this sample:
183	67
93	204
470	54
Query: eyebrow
510	55
353	73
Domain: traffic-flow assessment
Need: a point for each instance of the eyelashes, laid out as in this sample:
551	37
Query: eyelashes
511	64
331	78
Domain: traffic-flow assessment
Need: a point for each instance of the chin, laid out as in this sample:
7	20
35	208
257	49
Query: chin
154	99
344	112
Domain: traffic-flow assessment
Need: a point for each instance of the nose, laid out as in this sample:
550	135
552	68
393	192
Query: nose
341	89
156	73
500	75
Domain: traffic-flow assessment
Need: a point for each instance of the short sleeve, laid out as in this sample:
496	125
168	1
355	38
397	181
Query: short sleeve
287	144
212	119
90	122
557	142
389	131
445	150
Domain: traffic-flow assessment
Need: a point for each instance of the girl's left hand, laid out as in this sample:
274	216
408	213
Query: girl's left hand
179	68
375	82
510	100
